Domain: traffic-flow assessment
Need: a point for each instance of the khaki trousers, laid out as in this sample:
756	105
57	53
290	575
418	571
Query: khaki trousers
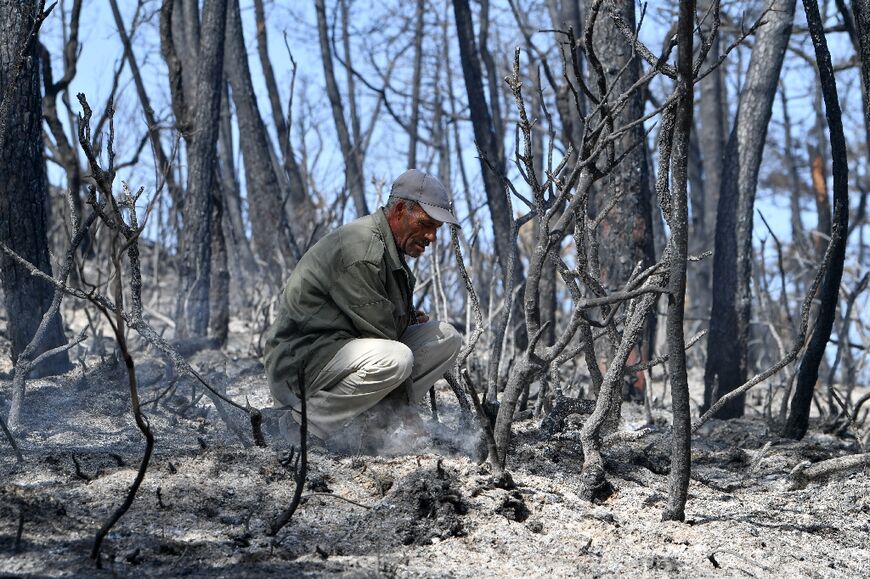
367	370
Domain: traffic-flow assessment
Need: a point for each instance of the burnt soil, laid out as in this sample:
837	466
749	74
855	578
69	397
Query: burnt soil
207	500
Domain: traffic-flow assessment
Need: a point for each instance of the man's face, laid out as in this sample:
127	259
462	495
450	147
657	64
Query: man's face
412	229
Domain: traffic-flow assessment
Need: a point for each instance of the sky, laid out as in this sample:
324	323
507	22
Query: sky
101	51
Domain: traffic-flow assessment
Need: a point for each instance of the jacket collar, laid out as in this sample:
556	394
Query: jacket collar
394	258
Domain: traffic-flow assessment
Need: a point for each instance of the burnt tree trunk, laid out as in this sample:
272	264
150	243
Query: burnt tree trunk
164	164
625	234
492	165
219	283
818	155
711	142
298	194
861	12
264	193
681	453
196	232
798	419
485	136
413	125
242	266
349	148
24	191
727	342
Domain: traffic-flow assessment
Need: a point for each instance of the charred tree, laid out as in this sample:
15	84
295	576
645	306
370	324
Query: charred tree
486	123
727	342
264	192
350	149
630	220
859	26
24	186
711	142
681	454
242	266
64	151
414	123
164	163
798	418
297	196
192	318
492	163
625	235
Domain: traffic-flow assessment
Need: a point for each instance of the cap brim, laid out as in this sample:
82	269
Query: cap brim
439	213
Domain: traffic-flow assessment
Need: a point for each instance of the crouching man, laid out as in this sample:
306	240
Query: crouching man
346	317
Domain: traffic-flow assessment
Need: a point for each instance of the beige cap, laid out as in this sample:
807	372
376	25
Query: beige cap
426	190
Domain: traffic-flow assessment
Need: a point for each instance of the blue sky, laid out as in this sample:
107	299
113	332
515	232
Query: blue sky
101	51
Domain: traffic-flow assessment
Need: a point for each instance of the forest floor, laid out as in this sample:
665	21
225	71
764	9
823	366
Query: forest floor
207	501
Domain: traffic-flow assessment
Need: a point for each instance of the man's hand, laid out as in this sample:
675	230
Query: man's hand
422	318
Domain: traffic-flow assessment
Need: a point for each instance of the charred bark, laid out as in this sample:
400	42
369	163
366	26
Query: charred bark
681	453
298	193
242	266
264	192
413	124
196	233
492	164
349	149
24	187
711	142
625	233
798	419
861	12
727	342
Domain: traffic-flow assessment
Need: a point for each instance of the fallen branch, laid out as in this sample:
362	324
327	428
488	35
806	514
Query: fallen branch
334	496
805	472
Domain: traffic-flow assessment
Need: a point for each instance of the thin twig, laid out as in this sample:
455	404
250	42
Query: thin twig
302	466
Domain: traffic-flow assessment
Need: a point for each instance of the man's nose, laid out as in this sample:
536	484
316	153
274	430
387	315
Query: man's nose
430	236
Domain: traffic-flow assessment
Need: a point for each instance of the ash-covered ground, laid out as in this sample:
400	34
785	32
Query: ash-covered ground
207	500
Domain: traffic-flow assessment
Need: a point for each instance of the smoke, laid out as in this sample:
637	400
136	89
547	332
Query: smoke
400	431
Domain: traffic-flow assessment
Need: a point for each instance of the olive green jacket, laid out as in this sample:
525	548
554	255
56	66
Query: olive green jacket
350	284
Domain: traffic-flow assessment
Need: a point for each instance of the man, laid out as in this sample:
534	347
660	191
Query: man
346	317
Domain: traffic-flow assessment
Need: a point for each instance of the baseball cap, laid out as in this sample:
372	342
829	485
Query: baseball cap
415	185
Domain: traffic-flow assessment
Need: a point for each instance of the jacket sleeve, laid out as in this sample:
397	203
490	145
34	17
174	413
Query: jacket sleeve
360	293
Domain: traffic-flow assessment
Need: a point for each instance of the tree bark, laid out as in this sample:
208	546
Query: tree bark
242	266
219	283
413	125
298	194
625	234
681	453
711	141
349	149
24	190
485	137
196	234
492	166
798	419
264	192
727	342
818	154
861	12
